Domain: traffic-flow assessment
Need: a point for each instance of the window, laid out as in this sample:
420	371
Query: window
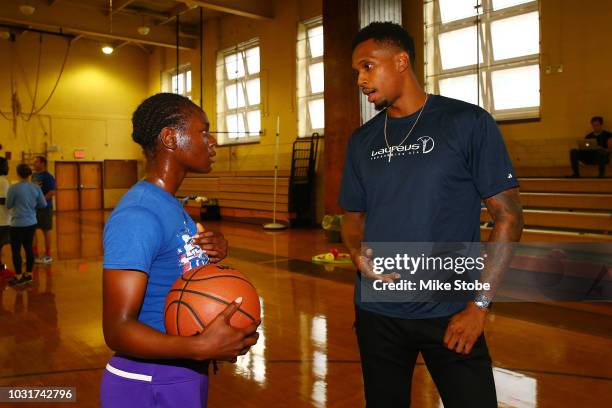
178	82
310	78
239	94
486	52
369	12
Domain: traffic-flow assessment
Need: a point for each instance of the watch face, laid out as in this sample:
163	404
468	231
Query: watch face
482	303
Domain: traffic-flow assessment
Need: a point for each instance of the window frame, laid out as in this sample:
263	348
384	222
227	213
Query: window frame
303	91
223	81
168	75
483	22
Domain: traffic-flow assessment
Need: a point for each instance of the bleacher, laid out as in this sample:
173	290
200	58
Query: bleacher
243	195
559	209
556	209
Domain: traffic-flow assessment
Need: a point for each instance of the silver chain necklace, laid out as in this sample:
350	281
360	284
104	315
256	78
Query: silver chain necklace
407	134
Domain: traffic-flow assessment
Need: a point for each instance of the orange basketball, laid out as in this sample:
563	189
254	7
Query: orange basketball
199	295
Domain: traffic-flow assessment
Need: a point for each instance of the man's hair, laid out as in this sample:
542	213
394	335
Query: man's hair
42	159
157	112
389	33
24	170
4	167
597	119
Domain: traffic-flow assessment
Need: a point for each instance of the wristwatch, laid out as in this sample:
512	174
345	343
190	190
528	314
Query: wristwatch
482	301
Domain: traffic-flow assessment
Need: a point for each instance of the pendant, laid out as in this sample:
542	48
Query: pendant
390	154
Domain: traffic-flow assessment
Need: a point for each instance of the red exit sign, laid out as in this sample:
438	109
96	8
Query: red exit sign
79	154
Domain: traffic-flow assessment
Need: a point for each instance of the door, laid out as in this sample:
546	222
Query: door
79	186
90	186
67	186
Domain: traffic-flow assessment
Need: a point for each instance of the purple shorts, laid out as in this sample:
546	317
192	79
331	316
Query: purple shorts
131	383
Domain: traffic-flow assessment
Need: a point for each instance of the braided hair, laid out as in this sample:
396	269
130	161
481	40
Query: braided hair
157	112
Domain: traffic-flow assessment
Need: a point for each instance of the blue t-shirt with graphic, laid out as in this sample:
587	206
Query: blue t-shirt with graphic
46	182
149	231
432	188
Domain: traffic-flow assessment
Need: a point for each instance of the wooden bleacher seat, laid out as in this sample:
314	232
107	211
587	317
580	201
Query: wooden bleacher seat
577	201
593	221
246	195
562	209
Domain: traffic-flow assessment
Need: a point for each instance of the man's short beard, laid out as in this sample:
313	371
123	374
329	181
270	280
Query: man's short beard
382	105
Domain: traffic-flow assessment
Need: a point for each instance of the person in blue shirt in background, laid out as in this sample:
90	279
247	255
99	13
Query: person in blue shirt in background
23	198
44	216
149	241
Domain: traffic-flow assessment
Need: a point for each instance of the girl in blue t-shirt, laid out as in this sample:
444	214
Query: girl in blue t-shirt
148	242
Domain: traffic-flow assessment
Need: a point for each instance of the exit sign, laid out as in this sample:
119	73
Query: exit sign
79	154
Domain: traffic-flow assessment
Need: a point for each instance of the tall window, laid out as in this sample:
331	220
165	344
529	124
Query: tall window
370	11
310	81
178	82
238	94
486	52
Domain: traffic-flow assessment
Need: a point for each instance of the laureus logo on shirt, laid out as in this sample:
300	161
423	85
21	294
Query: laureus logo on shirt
424	145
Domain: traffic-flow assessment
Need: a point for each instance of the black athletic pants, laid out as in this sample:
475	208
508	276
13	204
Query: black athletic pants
22	236
589	156
389	348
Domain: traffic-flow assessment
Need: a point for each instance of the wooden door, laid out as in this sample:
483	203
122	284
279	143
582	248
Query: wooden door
90	186
67	189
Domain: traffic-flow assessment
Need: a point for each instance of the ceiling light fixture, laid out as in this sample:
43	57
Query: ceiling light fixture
144	30
107	49
27	9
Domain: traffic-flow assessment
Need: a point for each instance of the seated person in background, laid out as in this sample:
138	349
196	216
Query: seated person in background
598	154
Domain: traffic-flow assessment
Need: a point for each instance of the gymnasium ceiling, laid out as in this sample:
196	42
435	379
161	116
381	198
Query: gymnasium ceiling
119	25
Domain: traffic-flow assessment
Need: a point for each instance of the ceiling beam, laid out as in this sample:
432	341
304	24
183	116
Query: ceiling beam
146	49
120	5
120	45
184	45
257	9
137	11
175	11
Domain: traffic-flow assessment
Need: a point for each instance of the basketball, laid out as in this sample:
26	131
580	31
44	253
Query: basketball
199	295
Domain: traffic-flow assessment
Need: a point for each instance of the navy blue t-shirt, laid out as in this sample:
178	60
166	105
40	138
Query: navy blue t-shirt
149	231
46	182
431	191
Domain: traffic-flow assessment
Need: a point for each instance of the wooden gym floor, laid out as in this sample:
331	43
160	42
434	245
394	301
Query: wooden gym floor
51	333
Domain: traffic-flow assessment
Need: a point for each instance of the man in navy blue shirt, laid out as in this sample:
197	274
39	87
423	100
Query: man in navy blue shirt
417	172
44	216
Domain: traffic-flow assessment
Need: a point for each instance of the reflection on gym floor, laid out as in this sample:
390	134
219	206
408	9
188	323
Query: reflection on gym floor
51	331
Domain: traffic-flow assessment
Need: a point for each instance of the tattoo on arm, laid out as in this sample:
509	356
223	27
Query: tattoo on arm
507	213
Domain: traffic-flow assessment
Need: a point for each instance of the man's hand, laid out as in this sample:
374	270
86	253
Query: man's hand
464	329
363	261
212	243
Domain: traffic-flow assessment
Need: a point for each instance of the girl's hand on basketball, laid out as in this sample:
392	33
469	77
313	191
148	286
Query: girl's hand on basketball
363	261
212	243
221	341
